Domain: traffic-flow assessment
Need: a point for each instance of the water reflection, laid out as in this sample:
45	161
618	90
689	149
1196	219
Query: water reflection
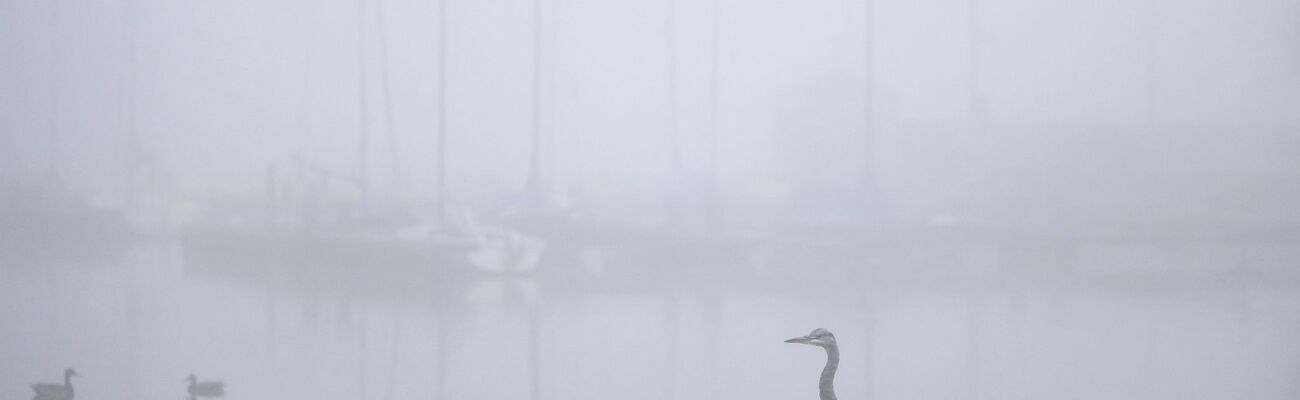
972	321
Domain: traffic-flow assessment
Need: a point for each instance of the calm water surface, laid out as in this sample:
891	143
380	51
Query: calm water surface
136	325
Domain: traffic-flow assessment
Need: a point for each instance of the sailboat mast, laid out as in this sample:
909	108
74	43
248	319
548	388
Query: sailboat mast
535	158
363	118
442	114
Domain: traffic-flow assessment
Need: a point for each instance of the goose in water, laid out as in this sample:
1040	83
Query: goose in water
824	339
204	389
54	391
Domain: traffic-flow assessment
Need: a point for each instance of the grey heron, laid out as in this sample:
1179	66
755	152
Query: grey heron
204	389
824	339
54	391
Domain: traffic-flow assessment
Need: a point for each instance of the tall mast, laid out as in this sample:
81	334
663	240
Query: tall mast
674	138
711	212
869	74
535	159
54	86
977	106
389	121
670	50
131	149
363	140
442	115
1149	53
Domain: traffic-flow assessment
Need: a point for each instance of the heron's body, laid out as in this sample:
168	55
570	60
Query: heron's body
198	389
824	339
54	391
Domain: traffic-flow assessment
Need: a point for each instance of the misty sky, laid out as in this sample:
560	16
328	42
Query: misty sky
216	92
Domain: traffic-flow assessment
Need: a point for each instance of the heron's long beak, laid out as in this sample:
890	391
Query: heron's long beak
801	339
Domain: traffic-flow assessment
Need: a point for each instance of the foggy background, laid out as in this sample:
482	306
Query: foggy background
566	199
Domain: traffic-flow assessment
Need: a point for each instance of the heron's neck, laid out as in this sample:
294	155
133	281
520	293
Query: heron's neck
827	385
67	380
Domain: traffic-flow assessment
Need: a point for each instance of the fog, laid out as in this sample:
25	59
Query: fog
562	199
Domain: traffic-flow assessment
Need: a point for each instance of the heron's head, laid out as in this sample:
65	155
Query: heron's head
69	372
819	337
